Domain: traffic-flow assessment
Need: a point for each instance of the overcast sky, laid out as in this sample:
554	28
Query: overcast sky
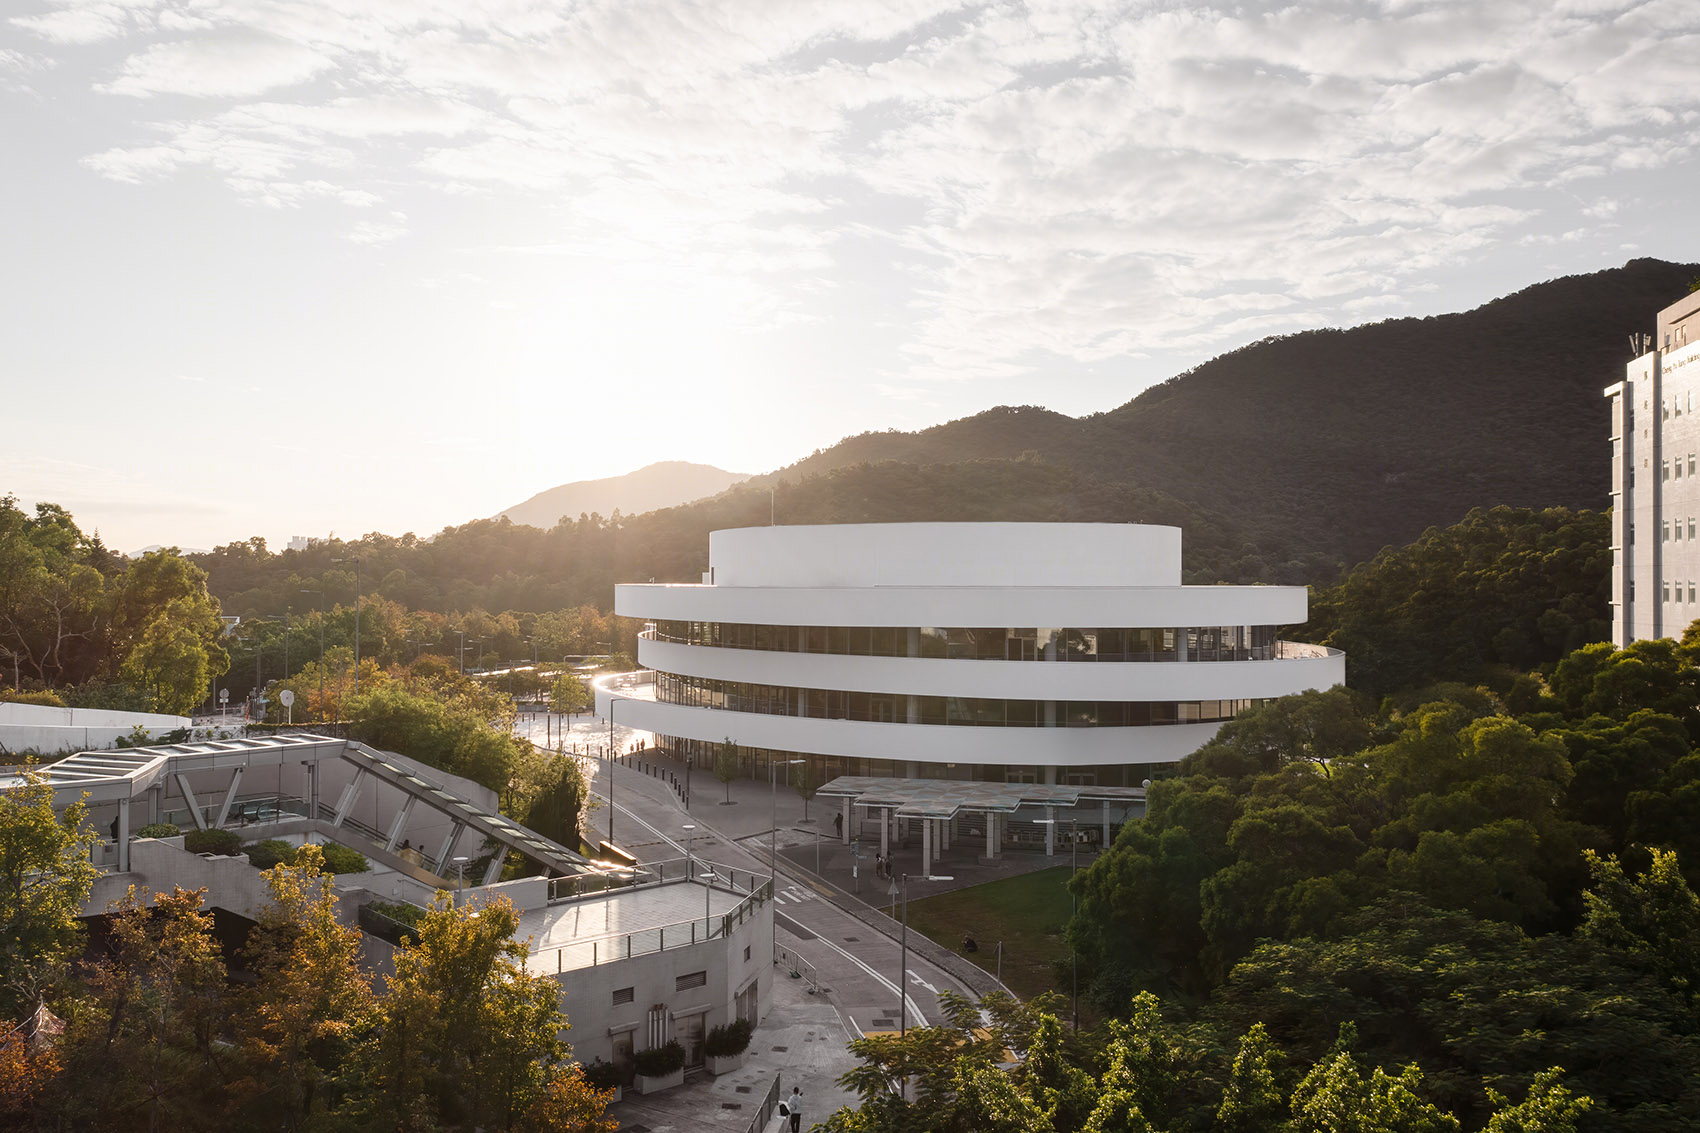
279	266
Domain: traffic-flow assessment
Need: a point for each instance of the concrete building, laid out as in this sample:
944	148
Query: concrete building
1655	492
1004	652
668	950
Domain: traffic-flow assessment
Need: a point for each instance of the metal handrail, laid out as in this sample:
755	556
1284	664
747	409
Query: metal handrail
765	1113
625	945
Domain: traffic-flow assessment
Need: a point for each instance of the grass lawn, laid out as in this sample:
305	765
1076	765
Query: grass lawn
1027	913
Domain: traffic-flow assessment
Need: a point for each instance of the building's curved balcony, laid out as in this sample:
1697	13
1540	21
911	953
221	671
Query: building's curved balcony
927	743
1298	667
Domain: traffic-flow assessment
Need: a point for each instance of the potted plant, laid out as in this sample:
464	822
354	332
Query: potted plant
659	1068
727	1046
602	1075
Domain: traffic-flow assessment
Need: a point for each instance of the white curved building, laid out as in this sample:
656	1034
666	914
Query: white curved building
1031	652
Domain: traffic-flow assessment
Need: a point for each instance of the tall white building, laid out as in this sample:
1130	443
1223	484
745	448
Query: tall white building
1019	652
1655	495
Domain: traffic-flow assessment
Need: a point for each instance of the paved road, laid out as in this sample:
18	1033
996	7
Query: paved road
857	965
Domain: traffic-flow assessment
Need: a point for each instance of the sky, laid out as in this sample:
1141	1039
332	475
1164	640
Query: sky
279	267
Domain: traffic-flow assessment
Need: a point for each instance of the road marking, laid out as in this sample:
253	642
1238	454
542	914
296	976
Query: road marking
914	1008
915	978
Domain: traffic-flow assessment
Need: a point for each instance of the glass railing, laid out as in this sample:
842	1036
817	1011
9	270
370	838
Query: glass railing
614	947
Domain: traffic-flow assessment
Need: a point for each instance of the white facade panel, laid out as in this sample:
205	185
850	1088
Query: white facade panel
925	743
1005	680
947	554
1074	606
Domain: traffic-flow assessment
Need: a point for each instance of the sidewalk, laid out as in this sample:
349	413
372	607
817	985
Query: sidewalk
803	1040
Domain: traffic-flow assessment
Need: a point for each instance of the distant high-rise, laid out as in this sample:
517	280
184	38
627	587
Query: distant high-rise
1655	481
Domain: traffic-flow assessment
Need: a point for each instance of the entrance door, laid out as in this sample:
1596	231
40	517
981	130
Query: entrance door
688	1031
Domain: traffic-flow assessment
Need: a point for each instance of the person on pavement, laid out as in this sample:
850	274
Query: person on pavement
794	1104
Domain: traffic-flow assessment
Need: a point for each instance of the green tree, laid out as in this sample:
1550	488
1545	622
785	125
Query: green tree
459	735
301	1021
1335	1097
1549	1107
1251	1102
466	1035
143	1051
568	694
557	810
726	764
1654	918
45	880
803	781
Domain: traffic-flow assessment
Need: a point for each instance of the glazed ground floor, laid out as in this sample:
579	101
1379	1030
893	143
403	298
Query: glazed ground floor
761	763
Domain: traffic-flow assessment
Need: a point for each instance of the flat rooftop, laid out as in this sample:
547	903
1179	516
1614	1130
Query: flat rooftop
594	930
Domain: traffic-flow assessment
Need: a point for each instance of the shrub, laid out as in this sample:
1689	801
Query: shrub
394	921
341	859
604	1075
158	830
728	1039
659	1061
269	853
224	842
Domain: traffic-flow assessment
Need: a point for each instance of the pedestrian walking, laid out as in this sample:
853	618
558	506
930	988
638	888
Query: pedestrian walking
794	1106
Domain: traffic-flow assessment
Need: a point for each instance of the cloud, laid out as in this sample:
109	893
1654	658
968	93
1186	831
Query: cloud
1050	180
380	231
225	66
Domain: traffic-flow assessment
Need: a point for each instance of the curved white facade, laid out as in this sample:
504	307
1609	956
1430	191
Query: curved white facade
971	650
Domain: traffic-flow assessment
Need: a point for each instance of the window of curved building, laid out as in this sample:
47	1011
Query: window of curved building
1194	643
956	711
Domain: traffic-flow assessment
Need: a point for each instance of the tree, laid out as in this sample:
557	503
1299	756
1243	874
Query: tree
466	1034
311	1004
568	694
1654	918
461	735
1250	1100
1335	1097
45	880
726	765
557	809
143	1052
1549	1108
804	783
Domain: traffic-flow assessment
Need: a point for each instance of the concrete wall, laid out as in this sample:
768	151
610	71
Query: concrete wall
50	731
587	993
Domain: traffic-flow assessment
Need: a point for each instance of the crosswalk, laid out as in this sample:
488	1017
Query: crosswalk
795	895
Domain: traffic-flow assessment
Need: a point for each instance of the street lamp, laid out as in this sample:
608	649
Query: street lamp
773	767
1073	909
611	699
356	561
901	889
321	596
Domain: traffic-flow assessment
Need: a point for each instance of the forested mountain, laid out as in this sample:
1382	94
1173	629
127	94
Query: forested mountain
663	484
1284	461
1346	441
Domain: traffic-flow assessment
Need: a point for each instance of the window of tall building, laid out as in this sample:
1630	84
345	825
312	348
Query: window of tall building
1691	590
1664	532
1664	470
1667	591
1691	464
1691	527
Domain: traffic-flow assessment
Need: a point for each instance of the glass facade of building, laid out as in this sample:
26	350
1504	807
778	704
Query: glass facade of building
1195	643
892	708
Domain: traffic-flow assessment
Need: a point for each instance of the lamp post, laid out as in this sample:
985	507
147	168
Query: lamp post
1073	909
900	890
321	596
773	767
611	699
356	561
